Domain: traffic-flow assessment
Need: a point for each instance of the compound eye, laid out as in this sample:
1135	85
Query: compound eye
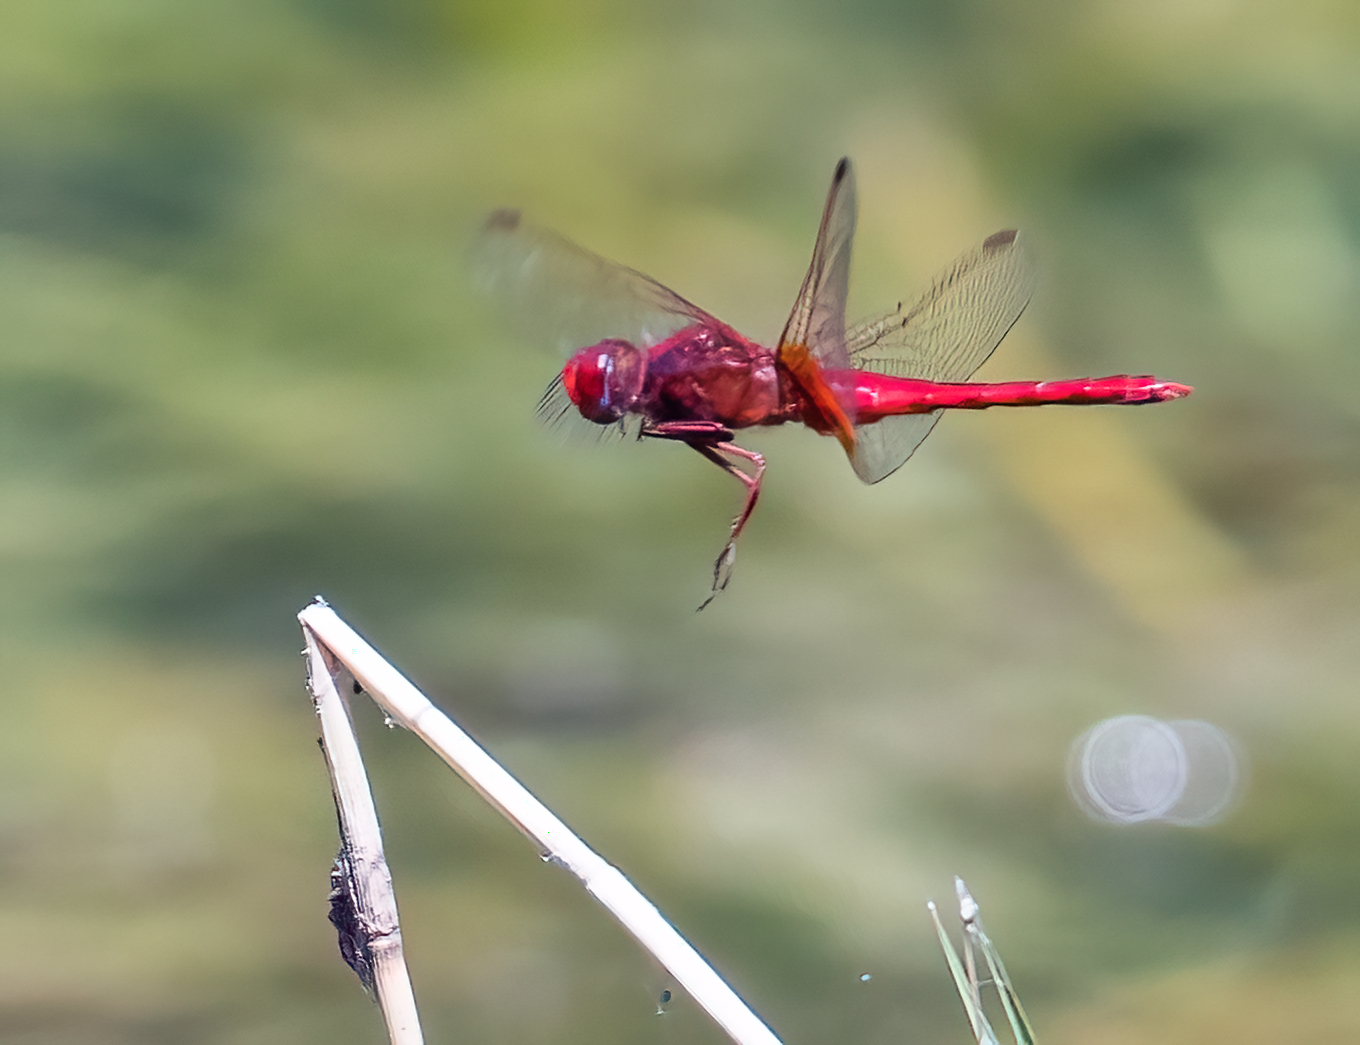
608	389
605	380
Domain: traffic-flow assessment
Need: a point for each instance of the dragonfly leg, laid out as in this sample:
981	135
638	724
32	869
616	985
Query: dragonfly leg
713	442
691	432
721	454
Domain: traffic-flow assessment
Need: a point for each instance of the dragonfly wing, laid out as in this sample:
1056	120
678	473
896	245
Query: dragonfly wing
818	318
812	346
945	336
564	296
957	323
884	446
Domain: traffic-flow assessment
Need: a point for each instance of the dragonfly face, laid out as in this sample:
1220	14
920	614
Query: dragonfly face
605	381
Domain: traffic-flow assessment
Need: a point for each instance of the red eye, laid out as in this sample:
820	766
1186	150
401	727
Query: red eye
604	381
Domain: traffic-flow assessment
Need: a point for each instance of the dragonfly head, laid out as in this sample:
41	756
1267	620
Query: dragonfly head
605	380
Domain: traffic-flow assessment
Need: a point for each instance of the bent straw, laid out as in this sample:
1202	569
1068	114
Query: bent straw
407	706
363	906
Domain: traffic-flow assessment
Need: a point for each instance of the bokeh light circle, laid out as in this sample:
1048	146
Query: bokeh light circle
1135	768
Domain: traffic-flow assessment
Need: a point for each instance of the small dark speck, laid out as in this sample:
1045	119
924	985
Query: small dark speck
997	240
504	220
665	997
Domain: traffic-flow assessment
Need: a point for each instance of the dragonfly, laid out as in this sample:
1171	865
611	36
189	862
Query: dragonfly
644	361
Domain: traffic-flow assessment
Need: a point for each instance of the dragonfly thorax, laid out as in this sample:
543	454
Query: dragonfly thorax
605	380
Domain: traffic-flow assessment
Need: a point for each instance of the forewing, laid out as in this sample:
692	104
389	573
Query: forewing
818	317
945	336
564	296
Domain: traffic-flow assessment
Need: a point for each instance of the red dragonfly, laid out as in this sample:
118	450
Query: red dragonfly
645	360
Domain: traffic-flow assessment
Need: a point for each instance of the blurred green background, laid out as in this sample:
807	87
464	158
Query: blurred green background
242	365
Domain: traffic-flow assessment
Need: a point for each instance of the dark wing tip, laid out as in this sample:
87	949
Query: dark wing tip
503	220
997	240
842	169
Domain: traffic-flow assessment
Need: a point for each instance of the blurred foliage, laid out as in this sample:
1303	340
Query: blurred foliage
242	365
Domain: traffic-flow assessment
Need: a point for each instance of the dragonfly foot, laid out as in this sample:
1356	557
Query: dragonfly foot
722	572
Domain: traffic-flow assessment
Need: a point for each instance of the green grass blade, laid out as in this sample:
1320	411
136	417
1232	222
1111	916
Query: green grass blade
968	993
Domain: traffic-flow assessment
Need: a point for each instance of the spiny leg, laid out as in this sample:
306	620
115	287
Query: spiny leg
713	441
722	568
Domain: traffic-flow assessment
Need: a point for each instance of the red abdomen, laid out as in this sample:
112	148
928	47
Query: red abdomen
878	395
